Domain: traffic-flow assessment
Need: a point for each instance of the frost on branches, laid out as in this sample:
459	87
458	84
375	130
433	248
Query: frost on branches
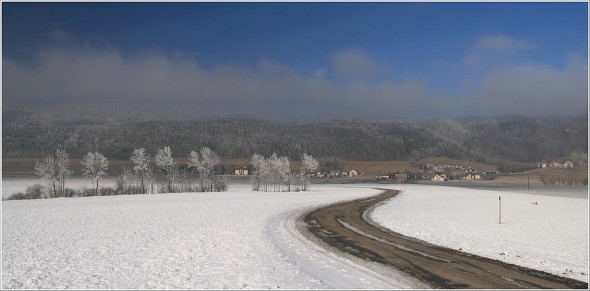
166	163
141	167
56	170
274	174
205	169
94	166
309	165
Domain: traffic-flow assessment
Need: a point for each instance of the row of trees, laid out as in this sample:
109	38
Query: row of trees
564	180
274	173
142	178
169	176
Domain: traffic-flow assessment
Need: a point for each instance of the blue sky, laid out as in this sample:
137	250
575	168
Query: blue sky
456	59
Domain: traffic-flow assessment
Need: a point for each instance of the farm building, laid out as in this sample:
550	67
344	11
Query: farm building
472	176
243	171
382	176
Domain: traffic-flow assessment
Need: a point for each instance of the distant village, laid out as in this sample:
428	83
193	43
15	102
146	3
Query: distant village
429	172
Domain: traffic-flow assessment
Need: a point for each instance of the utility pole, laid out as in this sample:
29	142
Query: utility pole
366	163
500	210
528	182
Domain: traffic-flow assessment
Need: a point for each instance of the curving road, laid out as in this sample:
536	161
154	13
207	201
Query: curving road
342	226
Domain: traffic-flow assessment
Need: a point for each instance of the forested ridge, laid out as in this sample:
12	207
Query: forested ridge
116	132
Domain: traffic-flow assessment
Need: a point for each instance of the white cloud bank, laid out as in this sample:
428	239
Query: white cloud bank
353	63
502	42
89	75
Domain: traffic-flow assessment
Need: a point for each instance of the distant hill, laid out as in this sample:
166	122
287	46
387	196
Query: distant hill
115	132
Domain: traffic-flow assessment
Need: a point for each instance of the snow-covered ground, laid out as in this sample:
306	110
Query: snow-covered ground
551	235
14	184
236	239
244	239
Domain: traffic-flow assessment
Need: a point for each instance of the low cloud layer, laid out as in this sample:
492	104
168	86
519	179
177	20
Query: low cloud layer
89	75
502	42
353	63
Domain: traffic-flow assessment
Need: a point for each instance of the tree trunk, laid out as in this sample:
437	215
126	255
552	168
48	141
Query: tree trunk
96	192
142	185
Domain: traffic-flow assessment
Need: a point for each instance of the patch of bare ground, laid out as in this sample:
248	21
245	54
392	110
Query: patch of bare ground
342	226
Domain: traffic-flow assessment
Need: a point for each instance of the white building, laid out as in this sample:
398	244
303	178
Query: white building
241	171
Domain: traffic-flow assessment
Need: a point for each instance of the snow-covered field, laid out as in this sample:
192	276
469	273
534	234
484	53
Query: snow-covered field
551	235
244	239
236	239
14	184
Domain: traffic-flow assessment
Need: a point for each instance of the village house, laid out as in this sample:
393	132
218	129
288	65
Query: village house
242	171
334	174
382	176
439	178
401	177
353	173
568	164
472	176
439	169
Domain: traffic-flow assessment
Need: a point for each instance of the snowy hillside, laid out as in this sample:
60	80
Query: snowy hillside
237	239
543	232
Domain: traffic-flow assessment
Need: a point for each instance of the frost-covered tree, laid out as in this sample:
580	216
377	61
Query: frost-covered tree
94	166
209	159
124	180
258	166
272	174
281	172
309	164
165	162
46	169
63	171
205	165
195	165
141	166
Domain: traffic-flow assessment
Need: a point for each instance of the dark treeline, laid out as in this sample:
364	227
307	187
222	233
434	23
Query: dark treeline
34	133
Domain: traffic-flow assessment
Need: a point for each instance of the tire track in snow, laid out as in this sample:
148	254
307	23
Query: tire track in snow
329	269
343	226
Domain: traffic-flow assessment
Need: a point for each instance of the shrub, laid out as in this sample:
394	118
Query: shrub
17	196
32	192
35	191
108	191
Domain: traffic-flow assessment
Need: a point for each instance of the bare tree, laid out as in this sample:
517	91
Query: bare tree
196	165
62	166
209	160
309	165
259	166
124	180
141	166
94	166
165	162
46	169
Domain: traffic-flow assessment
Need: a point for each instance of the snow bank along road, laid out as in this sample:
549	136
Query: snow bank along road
342	225
543	230
237	239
